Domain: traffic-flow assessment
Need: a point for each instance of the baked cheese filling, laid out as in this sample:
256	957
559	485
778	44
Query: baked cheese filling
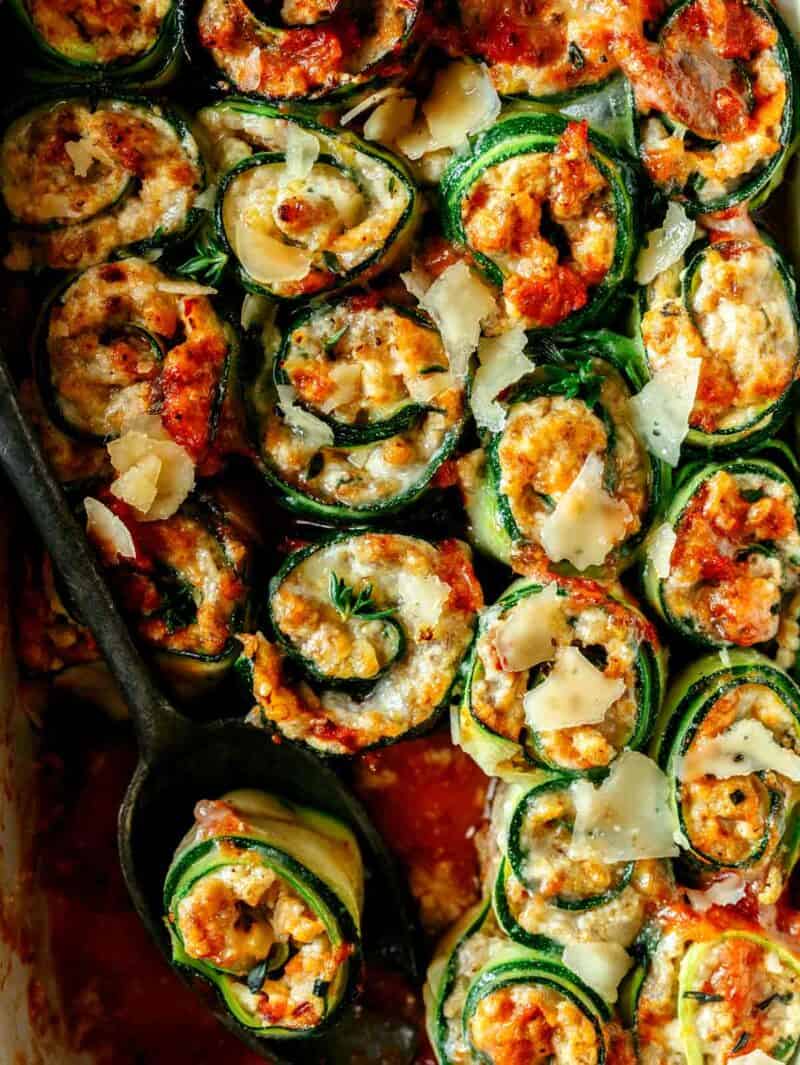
735	311
86	31
82	181
316	48
546	220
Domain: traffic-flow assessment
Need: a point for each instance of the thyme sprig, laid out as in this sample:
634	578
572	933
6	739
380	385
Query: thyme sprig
350	604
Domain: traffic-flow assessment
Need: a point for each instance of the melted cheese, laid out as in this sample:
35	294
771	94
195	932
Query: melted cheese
502	363
574	693
600	965
104	525
528	634
746	747
423	599
627	817
587	522
458	302
659	549
666	245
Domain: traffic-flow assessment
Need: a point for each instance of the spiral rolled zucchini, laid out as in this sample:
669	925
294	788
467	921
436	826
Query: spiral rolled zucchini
563	676
732	557
567	479
123	340
85	180
492	1001
310	50
728	740
546	208
358	410
370	633
303	209
710	987
263	898
719	114
731	303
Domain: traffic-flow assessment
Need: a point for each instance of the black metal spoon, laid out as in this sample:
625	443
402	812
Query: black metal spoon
180	761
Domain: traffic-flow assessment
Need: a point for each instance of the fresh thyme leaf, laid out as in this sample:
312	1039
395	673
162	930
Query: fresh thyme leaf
777	997
703	996
334	339
207	264
741	1042
432	369
352	605
582	381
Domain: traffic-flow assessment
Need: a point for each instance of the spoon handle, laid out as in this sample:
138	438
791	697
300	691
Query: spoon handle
159	727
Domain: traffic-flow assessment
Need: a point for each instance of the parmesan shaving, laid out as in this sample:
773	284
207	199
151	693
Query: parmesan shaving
574	693
368	102
302	150
528	634
423	599
390	120
627	817
463	101
600	965
347	380
132	456
660	546
661	411
184	287
110	531
80	155
502	363
587	521
315	432
756	1057
416	280
724	892
746	747
207	198
458	303
665	246
138	486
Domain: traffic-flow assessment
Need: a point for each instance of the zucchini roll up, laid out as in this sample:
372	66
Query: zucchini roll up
357	411
559	642
123	340
302	209
83	181
370	631
711	987
546	898
135	43
493	1002
546	208
732	554
263	899
719	102
308	50
731	303
567	479
728	740
183	584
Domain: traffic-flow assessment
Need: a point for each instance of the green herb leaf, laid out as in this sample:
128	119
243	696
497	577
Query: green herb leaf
207	264
703	996
352	605
334	339
575	56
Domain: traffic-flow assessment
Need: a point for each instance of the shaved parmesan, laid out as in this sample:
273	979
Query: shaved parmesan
368	102
587	522
347	380
502	363
628	816
725	892
463	101
600	965
423	599
267	259
184	287
659	550
756	1057
302	150
138	486
133	455
110	531
426	387
315	432
458	303
574	693
416	280
529	632
747	746
207	198
80	155
665	246
661	411
390	120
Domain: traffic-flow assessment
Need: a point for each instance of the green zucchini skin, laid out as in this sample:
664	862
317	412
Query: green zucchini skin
575	370
67	245
342	150
472	974
694	479
152	69
508	757
678	957
755	187
305	700
769	417
526	132
690	701
315	855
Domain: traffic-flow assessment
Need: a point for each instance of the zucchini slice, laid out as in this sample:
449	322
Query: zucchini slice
707	988
355	414
84	180
536	621
492	1001
122	340
547	209
728	102
546	899
303	209
263	899
732	303
187	592
311	50
745	821
564	419
735	563
370	633
130	43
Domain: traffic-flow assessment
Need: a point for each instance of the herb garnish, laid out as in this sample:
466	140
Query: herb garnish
352	605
